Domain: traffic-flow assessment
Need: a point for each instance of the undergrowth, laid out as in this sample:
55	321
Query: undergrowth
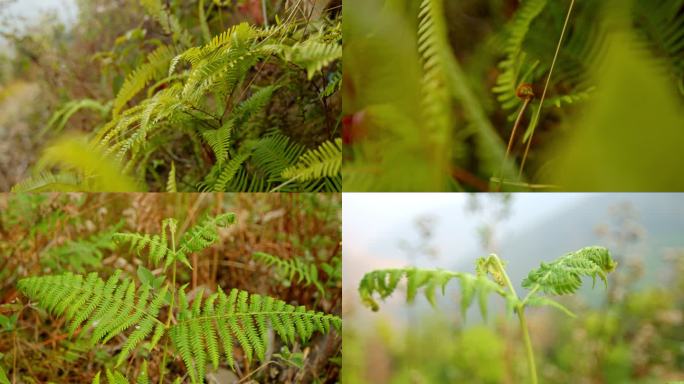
252	106
139	298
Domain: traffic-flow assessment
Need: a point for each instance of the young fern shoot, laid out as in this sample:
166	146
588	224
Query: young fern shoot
197	330
560	277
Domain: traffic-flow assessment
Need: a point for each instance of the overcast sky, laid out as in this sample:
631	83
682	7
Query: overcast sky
66	10
374	223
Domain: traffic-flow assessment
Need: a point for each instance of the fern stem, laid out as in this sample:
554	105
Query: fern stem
528	345
535	120
523	323
264	15
171	303
512	139
502	270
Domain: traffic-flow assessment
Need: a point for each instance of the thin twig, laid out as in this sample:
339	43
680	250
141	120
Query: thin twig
535	121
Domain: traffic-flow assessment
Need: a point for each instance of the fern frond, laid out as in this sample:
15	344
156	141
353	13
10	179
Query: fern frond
383	283
324	161
157	245
274	153
313	55
220	140
171	181
82	166
103	309
253	104
50	182
228	172
661	24
434	48
155	67
3	377
116	377
60	118
304	272
564	275
243	319
168	22
516	61
202	235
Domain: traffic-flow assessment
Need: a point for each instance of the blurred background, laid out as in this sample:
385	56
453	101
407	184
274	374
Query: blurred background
632	332
448	93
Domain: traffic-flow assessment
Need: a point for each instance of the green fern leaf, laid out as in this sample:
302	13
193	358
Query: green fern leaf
159	249
274	153
156	66
83	167
564	275
202	235
313	55
243	317
110	308
3	376
324	161
384	282
60	118
304	272
171	181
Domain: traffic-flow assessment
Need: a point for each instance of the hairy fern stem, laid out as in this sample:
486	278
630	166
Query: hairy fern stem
523	321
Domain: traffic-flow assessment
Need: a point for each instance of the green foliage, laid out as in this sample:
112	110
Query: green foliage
291	269
226	95
115	377
157	63
161	248
324	161
564	275
171	181
239	319
105	309
61	117
469	89
83	168
559	277
80	253
3	377
100	310
384	282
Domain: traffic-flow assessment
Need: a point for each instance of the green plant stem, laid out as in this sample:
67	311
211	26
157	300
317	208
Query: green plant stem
535	120
263	10
512	139
528	345
170	314
523	323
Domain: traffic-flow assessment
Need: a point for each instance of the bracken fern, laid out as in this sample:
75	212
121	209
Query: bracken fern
118	308
562	276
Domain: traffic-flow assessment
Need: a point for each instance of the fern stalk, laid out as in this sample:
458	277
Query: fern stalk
535	120
511	139
171	303
532	366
